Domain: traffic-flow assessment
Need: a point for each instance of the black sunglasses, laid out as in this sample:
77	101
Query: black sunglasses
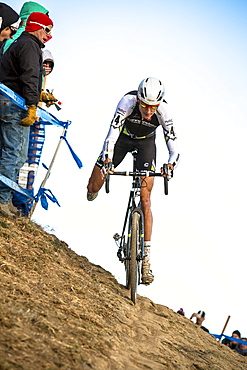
13	31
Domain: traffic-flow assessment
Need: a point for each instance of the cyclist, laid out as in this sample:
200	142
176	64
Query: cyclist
133	126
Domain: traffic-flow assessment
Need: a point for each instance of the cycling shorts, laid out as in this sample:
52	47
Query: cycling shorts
146	152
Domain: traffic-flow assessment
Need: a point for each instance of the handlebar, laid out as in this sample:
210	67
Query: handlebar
136	174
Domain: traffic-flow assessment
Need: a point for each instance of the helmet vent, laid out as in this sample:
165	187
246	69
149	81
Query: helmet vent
151	91
159	97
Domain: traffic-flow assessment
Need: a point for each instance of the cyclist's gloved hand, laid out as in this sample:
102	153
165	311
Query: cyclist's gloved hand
107	168
167	170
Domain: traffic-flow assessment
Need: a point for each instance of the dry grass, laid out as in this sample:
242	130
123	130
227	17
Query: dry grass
59	311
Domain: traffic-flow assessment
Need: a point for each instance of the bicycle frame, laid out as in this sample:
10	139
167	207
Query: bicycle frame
131	208
131	244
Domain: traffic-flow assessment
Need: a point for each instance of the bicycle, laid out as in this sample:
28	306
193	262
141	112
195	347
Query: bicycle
131	242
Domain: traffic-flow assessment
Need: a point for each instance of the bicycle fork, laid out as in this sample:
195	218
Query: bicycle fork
120	240
123	245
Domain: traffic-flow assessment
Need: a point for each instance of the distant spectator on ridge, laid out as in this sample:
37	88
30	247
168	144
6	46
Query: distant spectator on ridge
181	312
200	317
242	349
230	343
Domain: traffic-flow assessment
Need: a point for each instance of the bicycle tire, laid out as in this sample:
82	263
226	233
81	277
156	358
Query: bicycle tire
127	270
133	261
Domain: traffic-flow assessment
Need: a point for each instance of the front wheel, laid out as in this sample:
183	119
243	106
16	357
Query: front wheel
127	269
133	273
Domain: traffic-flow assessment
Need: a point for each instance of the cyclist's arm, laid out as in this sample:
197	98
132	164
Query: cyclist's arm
123	110
166	122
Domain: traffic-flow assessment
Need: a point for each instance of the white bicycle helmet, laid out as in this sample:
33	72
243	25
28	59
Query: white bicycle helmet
151	91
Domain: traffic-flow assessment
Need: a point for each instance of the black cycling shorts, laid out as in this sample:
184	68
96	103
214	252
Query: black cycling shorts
146	152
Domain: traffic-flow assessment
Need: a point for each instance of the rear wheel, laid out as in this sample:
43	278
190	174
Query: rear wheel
133	252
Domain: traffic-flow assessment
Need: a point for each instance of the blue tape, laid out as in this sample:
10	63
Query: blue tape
219	336
42	113
44	195
45	118
76	158
14	186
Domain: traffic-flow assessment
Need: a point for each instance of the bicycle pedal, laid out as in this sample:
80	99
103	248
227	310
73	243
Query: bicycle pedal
116	236
147	278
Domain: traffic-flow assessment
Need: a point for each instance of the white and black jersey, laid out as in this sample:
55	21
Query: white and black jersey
128	126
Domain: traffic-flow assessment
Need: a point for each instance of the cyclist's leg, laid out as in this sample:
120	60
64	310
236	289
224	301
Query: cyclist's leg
123	145
147	276
96	182
146	206
146	160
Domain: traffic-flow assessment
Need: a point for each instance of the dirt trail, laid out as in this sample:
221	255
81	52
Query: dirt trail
59	311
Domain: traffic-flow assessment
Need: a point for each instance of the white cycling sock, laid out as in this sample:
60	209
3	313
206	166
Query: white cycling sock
147	251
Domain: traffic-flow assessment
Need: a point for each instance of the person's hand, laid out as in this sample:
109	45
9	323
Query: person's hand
167	171
193	315
31	116
108	167
48	98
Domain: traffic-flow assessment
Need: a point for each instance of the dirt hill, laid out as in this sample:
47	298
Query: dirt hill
59	311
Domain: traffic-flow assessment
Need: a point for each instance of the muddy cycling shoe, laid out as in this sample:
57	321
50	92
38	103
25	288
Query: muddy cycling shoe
147	276
92	196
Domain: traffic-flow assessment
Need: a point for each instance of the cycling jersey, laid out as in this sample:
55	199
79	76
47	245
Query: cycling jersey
128	121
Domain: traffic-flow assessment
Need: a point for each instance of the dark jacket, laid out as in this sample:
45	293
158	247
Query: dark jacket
21	67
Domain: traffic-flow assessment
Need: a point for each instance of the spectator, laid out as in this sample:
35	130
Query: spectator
242	348
48	62
230	343
27	173
48	65
200	317
21	70
181	312
26	9
9	23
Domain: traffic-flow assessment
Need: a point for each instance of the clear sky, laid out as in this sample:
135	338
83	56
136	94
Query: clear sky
198	49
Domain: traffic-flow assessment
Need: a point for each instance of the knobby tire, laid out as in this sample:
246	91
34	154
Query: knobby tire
133	252
127	270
